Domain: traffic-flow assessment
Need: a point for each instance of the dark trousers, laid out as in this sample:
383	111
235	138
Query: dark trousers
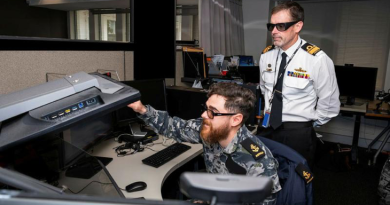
300	136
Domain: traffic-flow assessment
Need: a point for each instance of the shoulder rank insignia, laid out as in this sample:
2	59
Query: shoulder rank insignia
312	49
268	49
304	172
253	148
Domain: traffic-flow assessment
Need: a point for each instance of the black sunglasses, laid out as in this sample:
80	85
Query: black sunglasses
280	26
211	114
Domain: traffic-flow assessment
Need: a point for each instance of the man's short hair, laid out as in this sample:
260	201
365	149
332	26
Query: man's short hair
238	99
296	11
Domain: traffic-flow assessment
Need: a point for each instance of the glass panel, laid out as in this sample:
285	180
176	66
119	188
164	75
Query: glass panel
67	19
187	22
108	28
82	24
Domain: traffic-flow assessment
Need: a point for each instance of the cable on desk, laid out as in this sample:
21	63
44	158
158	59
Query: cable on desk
67	188
168	141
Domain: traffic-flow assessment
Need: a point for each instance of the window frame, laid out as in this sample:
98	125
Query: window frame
12	43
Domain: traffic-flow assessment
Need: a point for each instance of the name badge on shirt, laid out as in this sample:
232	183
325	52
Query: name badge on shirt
269	68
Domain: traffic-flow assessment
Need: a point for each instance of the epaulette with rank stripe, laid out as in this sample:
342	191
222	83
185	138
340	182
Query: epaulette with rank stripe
253	148
268	49
312	49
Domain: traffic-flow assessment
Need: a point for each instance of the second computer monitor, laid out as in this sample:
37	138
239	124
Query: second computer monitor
356	82
152	93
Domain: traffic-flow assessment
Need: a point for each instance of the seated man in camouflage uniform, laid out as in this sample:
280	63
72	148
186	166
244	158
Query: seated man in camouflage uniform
228	146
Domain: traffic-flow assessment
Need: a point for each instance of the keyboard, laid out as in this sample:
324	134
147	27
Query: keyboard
165	155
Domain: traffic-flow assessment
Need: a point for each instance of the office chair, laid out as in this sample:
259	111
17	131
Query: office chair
221	189
295	190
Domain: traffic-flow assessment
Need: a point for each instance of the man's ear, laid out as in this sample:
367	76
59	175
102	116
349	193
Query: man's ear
237	119
298	27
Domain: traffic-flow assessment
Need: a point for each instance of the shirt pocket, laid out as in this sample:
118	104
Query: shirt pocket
268	78
296	88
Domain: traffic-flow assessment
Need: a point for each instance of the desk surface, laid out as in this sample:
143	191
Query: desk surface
383	111
358	108
129	169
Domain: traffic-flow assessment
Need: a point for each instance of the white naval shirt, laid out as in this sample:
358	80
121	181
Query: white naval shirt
316	79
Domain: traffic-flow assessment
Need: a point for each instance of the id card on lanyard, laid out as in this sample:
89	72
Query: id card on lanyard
267	113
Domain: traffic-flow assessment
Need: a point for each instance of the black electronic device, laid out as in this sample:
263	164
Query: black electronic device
85	135
356	82
249	74
48	129
59	104
194	63
226	189
136	186
87	167
165	155
246	61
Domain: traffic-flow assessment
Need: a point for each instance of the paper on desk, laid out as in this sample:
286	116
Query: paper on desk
197	84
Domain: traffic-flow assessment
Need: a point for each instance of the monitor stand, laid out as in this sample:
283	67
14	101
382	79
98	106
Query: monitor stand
87	167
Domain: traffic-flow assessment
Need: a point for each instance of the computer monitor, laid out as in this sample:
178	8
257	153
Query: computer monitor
64	159
249	74
85	135
356	82
246	61
194	63
152	93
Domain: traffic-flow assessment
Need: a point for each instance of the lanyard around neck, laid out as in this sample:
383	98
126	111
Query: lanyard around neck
283	70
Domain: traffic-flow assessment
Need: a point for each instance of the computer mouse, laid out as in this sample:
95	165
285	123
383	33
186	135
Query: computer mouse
136	186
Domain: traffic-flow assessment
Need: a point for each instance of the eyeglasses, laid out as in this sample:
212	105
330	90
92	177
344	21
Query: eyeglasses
280	26
211	114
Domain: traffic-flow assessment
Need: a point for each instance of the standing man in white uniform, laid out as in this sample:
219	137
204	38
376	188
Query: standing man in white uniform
298	82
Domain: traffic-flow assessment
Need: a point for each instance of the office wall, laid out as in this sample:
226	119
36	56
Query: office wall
351	32
22	69
357	33
256	14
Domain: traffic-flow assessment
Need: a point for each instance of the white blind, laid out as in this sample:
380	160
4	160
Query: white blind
355	32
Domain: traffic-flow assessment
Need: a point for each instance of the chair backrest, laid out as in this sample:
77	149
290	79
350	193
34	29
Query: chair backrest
295	190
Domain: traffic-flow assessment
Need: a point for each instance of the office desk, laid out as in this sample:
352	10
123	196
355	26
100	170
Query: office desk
359	111
128	169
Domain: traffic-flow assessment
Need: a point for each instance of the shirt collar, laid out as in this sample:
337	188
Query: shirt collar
232	146
292	49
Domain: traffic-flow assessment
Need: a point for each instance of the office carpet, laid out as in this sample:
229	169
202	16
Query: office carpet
339	181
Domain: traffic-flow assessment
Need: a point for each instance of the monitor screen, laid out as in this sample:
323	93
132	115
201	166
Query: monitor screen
194	65
356	82
249	74
246	61
84	135
152	93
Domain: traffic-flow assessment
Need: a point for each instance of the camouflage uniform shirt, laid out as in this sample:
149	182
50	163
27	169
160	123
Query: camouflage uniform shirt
215	156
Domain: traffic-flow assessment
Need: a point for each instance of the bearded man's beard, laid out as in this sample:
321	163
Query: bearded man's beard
211	135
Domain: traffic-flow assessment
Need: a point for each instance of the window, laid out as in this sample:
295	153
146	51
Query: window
187	22
92	20
100	25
